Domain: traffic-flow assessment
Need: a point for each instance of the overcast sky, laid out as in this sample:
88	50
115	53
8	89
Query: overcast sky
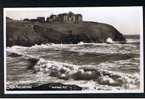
128	20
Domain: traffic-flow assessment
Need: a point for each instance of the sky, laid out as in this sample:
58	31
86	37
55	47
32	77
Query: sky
128	20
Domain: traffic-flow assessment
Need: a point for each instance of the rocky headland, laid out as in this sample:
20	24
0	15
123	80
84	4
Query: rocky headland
64	28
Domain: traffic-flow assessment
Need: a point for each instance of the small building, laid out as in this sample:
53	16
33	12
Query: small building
65	18
41	19
79	18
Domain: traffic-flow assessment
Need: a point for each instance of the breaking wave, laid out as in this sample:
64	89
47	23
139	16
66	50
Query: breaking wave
96	73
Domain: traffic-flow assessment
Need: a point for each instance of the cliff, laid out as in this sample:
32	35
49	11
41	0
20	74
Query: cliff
28	33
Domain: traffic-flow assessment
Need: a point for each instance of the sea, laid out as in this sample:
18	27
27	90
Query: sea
91	66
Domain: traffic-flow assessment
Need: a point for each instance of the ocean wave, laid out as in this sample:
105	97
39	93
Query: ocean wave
80	47
133	41
100	76
105	66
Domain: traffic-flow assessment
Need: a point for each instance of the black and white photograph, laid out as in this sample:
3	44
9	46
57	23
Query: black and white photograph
73	50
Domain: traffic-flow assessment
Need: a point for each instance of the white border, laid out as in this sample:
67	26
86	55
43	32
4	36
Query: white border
141	90
141	52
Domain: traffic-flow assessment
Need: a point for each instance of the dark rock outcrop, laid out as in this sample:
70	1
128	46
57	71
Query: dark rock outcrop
29	33
32	62
51	86
11	54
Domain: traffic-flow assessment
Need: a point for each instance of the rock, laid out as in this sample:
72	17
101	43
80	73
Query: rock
13	54
56	86
110	80
32	62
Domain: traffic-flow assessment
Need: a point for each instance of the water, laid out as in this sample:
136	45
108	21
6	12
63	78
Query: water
92	66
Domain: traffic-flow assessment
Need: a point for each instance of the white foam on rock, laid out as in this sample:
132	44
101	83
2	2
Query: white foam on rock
109	40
